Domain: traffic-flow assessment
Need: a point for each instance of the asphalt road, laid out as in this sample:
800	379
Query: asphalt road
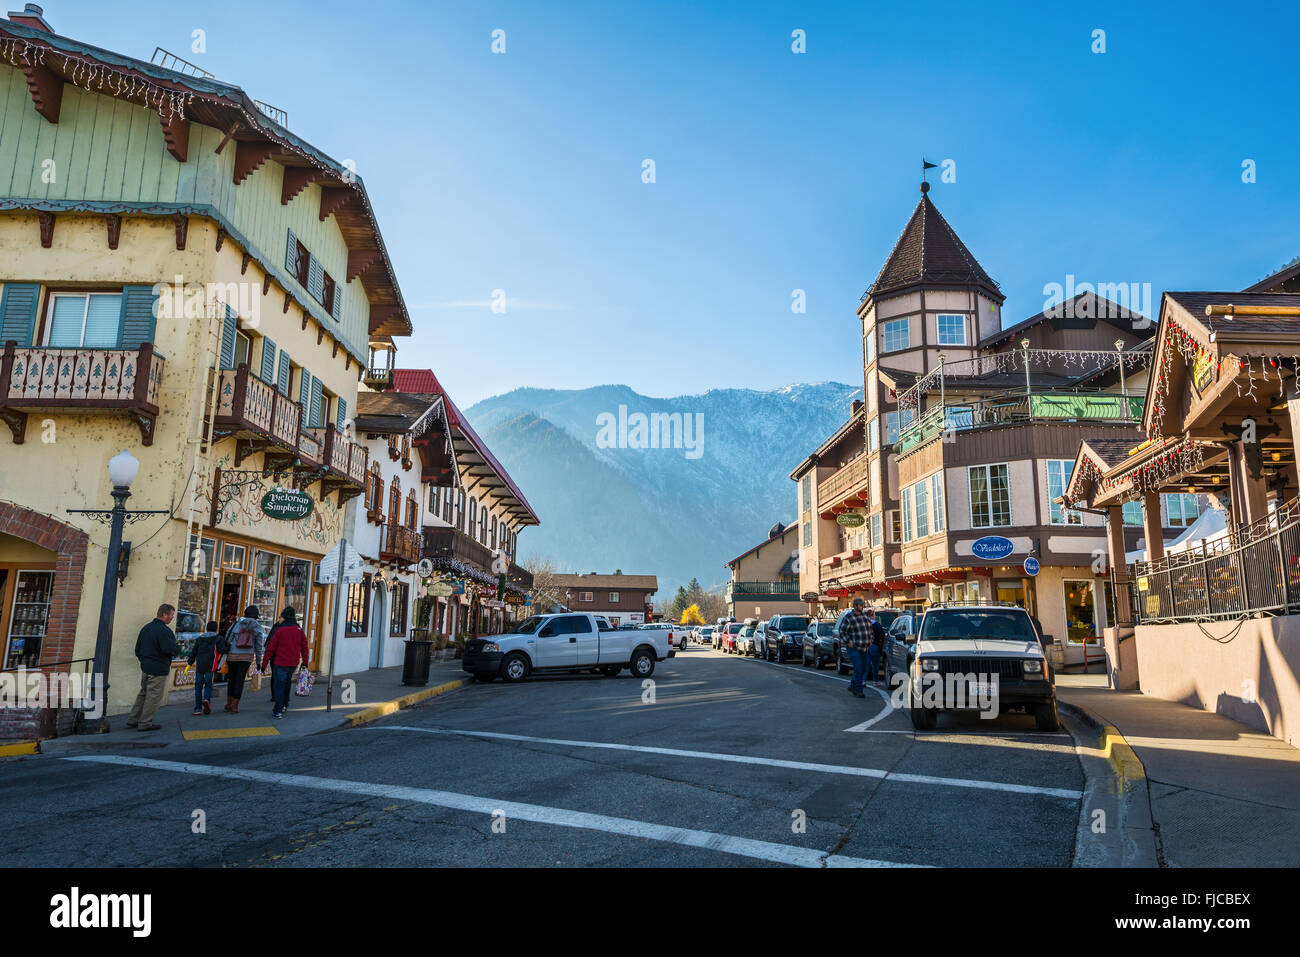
729	762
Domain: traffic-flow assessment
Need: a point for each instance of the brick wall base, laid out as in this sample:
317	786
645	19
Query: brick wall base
21	724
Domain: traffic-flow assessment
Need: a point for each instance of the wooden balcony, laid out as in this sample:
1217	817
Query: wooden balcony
450	544
379	380
257	415
79	380
776	590
345	464
399	544
846	489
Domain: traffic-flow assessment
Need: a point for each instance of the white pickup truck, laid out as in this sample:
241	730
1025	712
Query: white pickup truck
568	642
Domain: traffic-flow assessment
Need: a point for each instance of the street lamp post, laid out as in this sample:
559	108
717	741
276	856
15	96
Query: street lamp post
1119	349
122	470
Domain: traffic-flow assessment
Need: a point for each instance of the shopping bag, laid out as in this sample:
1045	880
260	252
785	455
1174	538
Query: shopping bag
305	680
255	681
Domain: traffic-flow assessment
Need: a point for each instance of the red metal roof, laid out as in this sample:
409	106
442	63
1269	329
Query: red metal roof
423	381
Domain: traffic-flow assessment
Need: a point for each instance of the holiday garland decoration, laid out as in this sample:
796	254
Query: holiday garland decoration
1064	361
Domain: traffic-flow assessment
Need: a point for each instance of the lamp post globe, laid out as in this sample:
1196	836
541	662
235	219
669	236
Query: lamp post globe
122	469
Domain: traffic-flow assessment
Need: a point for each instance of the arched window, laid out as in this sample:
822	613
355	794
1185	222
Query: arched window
494	531
395	502
473	515
375	494
412	510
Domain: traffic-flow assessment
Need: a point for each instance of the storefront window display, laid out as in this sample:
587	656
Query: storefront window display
30	614
1080	615
266	586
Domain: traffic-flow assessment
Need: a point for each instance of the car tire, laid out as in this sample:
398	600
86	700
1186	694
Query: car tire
924	719
515	668
1046	717
642	663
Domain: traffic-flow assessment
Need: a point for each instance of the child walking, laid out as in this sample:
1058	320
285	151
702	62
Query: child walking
203	657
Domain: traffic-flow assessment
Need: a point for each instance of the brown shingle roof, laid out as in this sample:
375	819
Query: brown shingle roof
1195	303
615	582
390	411
929	251
1085	306
1112	451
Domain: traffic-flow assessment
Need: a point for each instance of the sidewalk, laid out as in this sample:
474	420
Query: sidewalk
1221	793
377	692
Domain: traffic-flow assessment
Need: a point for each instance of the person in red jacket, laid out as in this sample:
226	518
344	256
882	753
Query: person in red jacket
286	649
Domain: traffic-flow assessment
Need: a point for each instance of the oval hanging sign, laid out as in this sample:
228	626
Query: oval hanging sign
287	504
1031	566
851	520
992	547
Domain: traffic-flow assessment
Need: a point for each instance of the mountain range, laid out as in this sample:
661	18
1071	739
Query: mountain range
672	487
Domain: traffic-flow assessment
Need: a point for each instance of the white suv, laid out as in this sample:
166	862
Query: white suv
980	657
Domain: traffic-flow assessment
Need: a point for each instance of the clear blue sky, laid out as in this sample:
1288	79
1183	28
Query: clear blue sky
775	171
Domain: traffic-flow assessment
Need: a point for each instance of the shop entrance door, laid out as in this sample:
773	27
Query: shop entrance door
316	627
231	602
1012	591
378	625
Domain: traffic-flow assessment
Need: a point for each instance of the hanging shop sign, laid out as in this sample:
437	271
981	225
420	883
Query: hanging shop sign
286	504
1202	370
424	568
992	547
851	520
515	599
1031	566
441	589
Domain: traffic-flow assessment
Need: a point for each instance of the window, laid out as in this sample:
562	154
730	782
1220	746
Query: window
358	613
84	319
936	501
375	494
869	346
435	496
1058	477
585	596
922	508
327	297
397	618
1182	510
482	524
395	502
613	598
807	534
460	510
1132	512
875	530
990	497
412	508
473	514
895	526
299	260
896	335
493	533
873	435
906	503
806	492
895	422
952	330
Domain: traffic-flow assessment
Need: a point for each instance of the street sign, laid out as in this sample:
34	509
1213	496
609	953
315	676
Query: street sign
1031	566
353	566
992	547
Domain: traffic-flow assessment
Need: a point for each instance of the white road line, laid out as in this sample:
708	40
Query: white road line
560	817
1066	793
885	712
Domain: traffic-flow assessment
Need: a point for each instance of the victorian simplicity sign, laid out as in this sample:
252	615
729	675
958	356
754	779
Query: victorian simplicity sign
287	503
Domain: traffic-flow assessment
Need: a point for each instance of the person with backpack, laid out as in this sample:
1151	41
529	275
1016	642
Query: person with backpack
876	650
203	659
287	647
246	644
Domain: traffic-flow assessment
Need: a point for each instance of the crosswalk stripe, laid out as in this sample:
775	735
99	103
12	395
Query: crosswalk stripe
561	817
1066	793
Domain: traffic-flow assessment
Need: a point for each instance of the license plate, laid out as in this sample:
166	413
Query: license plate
981	688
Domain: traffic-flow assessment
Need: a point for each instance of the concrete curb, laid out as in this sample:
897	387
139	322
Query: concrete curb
1115	826
20	748
392	707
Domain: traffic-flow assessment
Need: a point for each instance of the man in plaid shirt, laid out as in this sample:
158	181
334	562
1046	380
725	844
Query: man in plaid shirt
856	634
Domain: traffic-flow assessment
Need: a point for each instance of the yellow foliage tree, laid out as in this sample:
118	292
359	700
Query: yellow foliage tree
692	616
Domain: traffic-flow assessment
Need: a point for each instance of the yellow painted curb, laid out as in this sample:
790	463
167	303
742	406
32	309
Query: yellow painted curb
22	747
1121	755
229	733
392	707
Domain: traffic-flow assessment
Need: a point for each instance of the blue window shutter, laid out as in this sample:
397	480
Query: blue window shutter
304	396
337	308
291	256
268	361
228	327
342	417
18	313
316	279
282	376
316	420
137	327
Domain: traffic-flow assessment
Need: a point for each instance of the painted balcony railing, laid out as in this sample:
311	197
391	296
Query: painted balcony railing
766	589
345	458
1016	408
250	408
379	379
849	480
311	447
399	544
43	379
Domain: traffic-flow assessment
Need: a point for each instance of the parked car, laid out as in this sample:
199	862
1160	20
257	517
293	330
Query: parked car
820	643
730	637
997	645
745	641
676	633
705	634
900	645
720	631
565	643
781	637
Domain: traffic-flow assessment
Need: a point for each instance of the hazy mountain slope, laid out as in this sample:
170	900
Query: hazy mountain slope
657	510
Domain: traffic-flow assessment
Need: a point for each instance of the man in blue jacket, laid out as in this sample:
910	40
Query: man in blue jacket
156	648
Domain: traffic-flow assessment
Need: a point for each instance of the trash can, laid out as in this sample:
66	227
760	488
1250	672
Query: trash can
416	662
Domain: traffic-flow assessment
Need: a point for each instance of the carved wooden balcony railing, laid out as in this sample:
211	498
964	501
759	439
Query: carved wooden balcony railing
400	544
